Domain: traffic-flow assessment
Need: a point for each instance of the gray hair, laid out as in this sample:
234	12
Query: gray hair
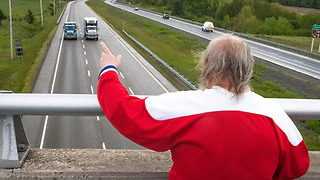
227	57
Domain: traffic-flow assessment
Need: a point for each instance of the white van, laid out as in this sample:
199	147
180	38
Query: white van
207	26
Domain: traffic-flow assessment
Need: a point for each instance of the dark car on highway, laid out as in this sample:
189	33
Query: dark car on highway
165	16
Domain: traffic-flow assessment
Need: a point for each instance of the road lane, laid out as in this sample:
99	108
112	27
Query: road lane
70	131
132	73
293	61
77	72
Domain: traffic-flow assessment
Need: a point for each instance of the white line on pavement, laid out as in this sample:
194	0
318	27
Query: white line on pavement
52	86
157	81
91	89
131	91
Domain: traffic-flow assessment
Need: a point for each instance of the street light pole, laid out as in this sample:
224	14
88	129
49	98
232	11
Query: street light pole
41	12
10	29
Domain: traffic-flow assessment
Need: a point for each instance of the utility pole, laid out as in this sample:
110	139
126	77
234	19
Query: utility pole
11	29
41	12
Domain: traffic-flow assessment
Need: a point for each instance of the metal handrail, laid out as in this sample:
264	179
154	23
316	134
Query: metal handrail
87	105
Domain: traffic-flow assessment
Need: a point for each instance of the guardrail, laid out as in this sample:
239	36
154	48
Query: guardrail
87	105
14	146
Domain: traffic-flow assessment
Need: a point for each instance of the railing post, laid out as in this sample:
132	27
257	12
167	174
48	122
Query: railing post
14	145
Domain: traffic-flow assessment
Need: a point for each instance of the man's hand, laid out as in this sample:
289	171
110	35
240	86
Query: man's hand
107	58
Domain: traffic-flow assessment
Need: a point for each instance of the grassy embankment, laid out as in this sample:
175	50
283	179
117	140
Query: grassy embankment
19	74
182	53
293	41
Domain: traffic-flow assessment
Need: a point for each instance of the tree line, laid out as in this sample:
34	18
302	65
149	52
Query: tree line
246	16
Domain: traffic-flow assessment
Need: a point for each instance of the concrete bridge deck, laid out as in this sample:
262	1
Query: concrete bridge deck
106	164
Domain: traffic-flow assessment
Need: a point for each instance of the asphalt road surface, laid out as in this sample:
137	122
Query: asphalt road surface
76	68
303	64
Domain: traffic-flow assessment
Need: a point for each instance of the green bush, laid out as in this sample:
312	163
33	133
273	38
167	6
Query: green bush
2	17
29	17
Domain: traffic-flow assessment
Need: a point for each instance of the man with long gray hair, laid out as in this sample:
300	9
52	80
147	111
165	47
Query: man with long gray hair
223	131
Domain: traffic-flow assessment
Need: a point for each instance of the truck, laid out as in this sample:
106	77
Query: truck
70	30
91	28
207	26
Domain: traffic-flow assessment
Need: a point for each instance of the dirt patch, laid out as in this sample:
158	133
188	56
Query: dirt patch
302	10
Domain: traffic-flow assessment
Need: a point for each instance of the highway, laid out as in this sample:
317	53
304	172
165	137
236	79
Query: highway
72	66
76	69
302	64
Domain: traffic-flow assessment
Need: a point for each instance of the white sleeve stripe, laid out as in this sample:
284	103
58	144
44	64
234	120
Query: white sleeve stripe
110	69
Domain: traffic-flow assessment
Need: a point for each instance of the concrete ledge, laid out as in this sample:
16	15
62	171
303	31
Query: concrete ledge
106	164
91	164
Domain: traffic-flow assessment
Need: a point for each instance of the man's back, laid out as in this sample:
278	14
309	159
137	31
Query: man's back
210	133
217	136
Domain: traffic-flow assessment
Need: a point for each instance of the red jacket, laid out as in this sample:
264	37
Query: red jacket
210	134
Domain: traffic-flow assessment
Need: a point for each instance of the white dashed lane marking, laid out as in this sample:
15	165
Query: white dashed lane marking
131	91
121	75
92	92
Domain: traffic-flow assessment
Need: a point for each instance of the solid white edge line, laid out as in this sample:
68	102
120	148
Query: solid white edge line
44	131
52	86
157	81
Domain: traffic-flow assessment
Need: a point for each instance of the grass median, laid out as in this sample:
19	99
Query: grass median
293	41
182	52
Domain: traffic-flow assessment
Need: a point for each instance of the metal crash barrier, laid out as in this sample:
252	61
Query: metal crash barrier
14	145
